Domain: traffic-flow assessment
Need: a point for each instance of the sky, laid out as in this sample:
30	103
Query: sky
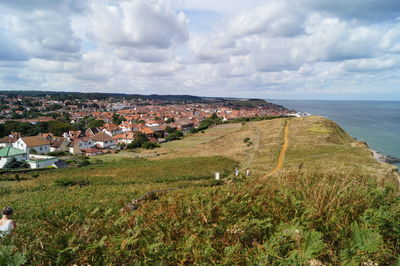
273	49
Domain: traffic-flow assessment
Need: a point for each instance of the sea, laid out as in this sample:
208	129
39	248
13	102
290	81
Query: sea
376	122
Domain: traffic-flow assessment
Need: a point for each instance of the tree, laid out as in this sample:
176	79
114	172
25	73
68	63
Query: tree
94	105
59	127
174	136
170	120
14	164
157	135
139	140
2	131
214	116
117	119
121	145
65	117
95	123
170	130
150	145
14	115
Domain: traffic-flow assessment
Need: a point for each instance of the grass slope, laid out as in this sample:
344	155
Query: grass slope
330	204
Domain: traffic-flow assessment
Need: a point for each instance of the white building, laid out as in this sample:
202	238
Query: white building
125	138
37	143
59	144
112	130
103	140
85	143
7	141
8	153
40	161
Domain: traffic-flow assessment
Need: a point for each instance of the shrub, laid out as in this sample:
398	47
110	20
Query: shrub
174	136
150	145
14	164
193	130
121	145
97	161
35	175
70	161
83	163
8	256
138	141
66	182
58	153
245	140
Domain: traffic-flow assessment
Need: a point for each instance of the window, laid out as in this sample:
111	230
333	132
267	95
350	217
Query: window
40	148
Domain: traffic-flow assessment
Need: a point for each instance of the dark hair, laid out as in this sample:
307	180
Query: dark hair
8	211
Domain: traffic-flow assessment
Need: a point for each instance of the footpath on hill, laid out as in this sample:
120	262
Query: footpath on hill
282	153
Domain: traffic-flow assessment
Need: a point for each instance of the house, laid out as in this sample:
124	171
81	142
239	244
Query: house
59	144
37	144
147	130
152	123
185	124
74	134
7	141
125	138
91	151
128	127
40	161
112	129
10	139
8	153
85	143
103	140
90	132
47	136
159	131
73	148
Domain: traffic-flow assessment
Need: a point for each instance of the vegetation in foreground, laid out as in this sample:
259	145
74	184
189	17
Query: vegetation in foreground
339	207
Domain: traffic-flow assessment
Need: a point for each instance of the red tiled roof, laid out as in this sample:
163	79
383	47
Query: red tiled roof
102	137
146	130
111	127
35	141
127	135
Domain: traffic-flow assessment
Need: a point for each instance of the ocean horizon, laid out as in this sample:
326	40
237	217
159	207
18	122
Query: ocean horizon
376	122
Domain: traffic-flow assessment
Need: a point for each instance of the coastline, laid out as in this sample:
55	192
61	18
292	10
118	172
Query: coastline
385	158
378	124
379	156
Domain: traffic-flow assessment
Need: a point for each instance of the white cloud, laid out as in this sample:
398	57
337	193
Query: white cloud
256	48
138	23
10	51
41	33
276	18
366	10
369	65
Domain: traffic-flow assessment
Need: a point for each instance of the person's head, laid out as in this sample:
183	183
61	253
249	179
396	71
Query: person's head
8	211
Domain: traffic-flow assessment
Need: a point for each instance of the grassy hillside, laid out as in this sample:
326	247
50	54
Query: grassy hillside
331	203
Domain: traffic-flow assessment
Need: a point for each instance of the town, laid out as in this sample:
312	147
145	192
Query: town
37	128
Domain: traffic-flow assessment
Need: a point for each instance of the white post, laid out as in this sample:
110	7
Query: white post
217	176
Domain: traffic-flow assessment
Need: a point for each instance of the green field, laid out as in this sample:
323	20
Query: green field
331	204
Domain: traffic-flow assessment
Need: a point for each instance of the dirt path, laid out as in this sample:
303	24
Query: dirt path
281	157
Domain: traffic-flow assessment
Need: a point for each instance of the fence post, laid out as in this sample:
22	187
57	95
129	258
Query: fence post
217	176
